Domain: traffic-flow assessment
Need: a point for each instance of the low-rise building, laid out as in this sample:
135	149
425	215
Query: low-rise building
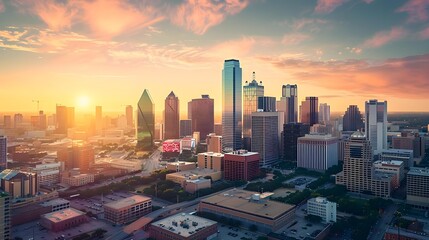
317	152
394	167
250	208
418	187
47	174
241	165
57	204
128	209
214	143
63	220
181	177
403	155
211	160
184	226
193	186
392	233
323	208
76	179
181	166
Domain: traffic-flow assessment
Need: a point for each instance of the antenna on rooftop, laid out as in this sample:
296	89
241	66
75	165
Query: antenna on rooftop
253	76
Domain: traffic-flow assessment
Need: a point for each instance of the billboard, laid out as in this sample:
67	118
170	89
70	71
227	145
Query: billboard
172	145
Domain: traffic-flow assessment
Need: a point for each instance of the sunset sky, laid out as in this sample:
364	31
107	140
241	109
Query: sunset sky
106	52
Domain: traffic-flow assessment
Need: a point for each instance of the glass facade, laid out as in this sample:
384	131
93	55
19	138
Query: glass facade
145	122
289	103
171	117
376	124
251	93
310	111
231	106
201	112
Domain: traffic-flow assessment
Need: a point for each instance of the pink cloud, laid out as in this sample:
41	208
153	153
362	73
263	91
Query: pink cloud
418	10
385	37
294	38
425	33
327	6
361	76
311	24
200	15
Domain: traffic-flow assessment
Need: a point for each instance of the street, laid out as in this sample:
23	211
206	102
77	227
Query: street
380	227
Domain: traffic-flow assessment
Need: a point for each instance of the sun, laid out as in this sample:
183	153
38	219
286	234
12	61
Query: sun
83	101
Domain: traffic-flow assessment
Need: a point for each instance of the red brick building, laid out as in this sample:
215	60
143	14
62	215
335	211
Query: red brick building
62	220
241	165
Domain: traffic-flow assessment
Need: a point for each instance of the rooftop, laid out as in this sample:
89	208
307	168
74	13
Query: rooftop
419	171
63	215
390	162
199	180
212	154
313	136
127	202
184	224
249	202
8	174
53	202
242	153
194	172
181	163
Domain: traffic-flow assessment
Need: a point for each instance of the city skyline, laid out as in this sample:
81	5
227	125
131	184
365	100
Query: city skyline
313	44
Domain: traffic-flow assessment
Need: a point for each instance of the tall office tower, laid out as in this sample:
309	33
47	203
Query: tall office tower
358	157
4	216
171	117
291	133
267	104
159	131
185	127
61	113
309	110
7	121
19	184
81	156
3	153
43	123
129	115
266	136
98	119
218	129
214	143
376	124
231	106
145	122
352	120
410	140
317	152
324	113
201	112
241	165
17	120
418	187
70	117
251	92
289	103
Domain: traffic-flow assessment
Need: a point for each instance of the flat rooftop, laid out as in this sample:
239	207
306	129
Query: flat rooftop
181	163
419	171
244	201
127	202
194	172
54	202
212	154
63	215
184	224
391	162
244	153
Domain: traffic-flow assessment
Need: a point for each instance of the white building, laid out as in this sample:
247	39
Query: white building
324	113
57	204
404	155
317	152
323	208
394	167
376	124
48	173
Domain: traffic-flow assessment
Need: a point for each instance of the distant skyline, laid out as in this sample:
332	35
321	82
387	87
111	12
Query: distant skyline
89	53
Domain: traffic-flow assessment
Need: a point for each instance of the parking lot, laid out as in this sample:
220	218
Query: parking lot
301	182
227	232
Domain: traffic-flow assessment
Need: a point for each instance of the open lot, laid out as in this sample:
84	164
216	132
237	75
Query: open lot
227	232
301	182
283	192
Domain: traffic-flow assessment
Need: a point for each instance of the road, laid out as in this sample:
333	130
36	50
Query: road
380	227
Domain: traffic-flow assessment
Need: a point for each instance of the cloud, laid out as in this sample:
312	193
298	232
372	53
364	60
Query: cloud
294	38
385	37
424	34
104	18
417	10
355	50
327	6
310	24
200	15
361	76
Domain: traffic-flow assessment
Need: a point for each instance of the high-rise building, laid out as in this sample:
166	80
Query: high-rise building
4	216
201	112
358	173
98	119
309	110
19	184
241	165
211	160
376	124
129	115
78	156
324	113
352	120
185	127
171	117
159	131
3	153
267	104
317	152
214	143
218	129
251	92
7	121
17	120
70	117
266	136
65	118
145	121
418	187
289	103
411	141
231	106
291	133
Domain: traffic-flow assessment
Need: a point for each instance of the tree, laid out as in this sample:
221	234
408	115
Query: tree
253	228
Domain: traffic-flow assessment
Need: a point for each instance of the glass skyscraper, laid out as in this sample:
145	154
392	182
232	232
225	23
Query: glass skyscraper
251	92
231	106
201	112
310	111
376	124
145	121
289	103
171	117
